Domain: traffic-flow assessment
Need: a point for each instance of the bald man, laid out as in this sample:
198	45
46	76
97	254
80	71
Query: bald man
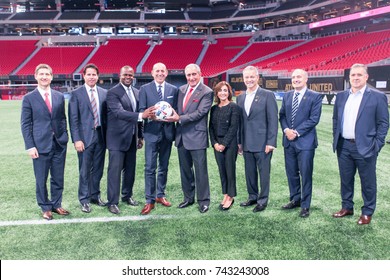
299	116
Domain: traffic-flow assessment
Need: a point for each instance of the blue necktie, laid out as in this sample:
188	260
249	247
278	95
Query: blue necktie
294	108
160	92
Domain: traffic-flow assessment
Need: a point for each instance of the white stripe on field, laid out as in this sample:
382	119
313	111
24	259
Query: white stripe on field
81	220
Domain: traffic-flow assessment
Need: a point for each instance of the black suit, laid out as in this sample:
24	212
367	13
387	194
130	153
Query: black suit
223	127
81	122
46	132
258	129
123	131
158	140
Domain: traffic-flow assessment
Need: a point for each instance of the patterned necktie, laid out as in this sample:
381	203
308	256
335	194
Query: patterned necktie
94	109
187	98
294	108
47	101
160	92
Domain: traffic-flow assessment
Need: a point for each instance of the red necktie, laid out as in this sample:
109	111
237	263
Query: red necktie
187	98
47	101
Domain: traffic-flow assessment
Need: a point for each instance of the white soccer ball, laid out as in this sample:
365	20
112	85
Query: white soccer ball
163	110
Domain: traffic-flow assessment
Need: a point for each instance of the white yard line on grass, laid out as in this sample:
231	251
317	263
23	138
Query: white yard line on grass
81	220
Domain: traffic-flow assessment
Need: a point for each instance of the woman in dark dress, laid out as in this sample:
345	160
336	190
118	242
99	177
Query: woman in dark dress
224	123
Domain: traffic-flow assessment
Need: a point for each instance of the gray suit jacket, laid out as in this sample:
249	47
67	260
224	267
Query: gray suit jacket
192	129
81	121
260	127
148	97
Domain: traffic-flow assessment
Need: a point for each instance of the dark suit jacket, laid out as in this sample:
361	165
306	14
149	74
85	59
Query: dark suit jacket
260	127
122	119
148	97
38	125
81	120
307	117
372	121
192	129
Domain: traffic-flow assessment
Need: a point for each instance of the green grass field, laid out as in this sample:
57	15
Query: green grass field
172	233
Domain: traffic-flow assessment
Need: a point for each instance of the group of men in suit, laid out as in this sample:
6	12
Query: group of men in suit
120	119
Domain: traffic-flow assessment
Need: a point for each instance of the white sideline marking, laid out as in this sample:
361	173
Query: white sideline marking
81	220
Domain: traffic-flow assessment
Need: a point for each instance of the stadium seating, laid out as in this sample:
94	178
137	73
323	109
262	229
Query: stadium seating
119	52
63	60
13	53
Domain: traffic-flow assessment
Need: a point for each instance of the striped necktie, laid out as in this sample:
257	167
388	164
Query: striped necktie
94	109
294	108
160	92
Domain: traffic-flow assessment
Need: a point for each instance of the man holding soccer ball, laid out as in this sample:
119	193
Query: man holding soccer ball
158	137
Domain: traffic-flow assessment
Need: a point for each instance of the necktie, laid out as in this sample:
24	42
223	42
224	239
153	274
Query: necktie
187	98
132	99
94	109
47	101
160	92
294	108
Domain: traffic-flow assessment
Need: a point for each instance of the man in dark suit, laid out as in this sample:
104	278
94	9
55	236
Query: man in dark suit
87	121
43	124
194	103
158	137
360	125
298	116
259	129
124	136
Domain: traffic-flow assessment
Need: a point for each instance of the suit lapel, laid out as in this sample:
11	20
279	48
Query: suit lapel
255	102
365	98
85	97
42	102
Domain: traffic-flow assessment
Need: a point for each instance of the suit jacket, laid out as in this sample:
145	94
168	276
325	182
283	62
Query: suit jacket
148	97
39	126
372	121
260	127
307	117
81	120
122	119
192	128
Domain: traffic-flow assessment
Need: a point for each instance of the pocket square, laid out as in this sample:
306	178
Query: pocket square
195	100
169	97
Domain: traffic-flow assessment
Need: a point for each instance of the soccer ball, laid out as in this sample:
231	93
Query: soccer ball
163	110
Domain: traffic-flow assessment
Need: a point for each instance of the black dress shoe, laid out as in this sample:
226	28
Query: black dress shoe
185	204
203	209
248	203
259	207
98	202
291	205
86	208
227	208
131	201
114	209
305	212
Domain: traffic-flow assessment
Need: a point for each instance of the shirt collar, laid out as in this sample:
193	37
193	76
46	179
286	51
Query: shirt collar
43	91
88	88
253	92
361	91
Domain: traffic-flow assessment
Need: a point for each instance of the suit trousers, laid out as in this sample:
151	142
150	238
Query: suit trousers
349	160
54	161
156	151
91	165
121	163
258	162
299	166
194	174
226	162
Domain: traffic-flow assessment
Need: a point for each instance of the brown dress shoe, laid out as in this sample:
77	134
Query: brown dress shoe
61	211
343	213
47	215
364	220
163	201
147	209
